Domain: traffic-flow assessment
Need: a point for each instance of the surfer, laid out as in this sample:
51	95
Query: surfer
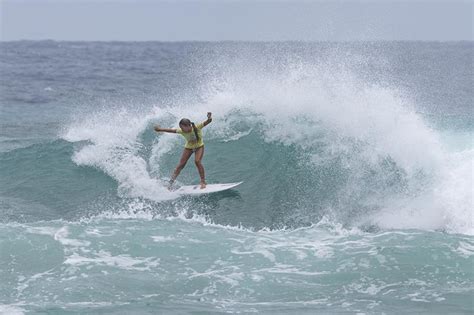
194	144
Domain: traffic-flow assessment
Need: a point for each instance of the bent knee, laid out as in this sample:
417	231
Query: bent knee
198	162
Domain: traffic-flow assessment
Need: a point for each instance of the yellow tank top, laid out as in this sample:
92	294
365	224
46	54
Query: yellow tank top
191	141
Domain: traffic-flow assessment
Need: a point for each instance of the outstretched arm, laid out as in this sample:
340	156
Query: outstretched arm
159	129
209	119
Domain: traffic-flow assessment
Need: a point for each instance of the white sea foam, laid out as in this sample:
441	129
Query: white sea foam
11	310
61	236
446	204
113	147
161	239
119	261
465	248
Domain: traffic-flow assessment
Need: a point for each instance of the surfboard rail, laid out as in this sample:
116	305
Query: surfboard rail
210	188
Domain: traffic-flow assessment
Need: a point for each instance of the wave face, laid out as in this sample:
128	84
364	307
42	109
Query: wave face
314	138
356	161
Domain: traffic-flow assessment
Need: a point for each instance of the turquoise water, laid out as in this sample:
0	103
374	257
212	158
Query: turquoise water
139	265
356	160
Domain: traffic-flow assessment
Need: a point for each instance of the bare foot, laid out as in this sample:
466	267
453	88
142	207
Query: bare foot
203	185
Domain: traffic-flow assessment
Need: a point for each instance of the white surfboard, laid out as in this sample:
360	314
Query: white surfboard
210	188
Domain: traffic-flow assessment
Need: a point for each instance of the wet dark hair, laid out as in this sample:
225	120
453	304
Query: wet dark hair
187	122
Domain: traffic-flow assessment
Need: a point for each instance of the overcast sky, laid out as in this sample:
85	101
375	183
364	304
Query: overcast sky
178	20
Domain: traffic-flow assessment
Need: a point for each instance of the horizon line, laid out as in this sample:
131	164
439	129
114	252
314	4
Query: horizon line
234	40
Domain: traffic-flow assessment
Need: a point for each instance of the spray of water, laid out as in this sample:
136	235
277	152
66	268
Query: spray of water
329	114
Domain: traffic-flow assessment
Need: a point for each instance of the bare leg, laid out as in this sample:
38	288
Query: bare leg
197	159
182	162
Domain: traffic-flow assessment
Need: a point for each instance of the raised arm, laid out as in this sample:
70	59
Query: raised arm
209	119
159	129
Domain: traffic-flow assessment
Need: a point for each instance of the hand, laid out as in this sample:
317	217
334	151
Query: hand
157	128
209	114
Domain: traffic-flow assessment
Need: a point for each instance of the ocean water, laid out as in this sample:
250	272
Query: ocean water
357	162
